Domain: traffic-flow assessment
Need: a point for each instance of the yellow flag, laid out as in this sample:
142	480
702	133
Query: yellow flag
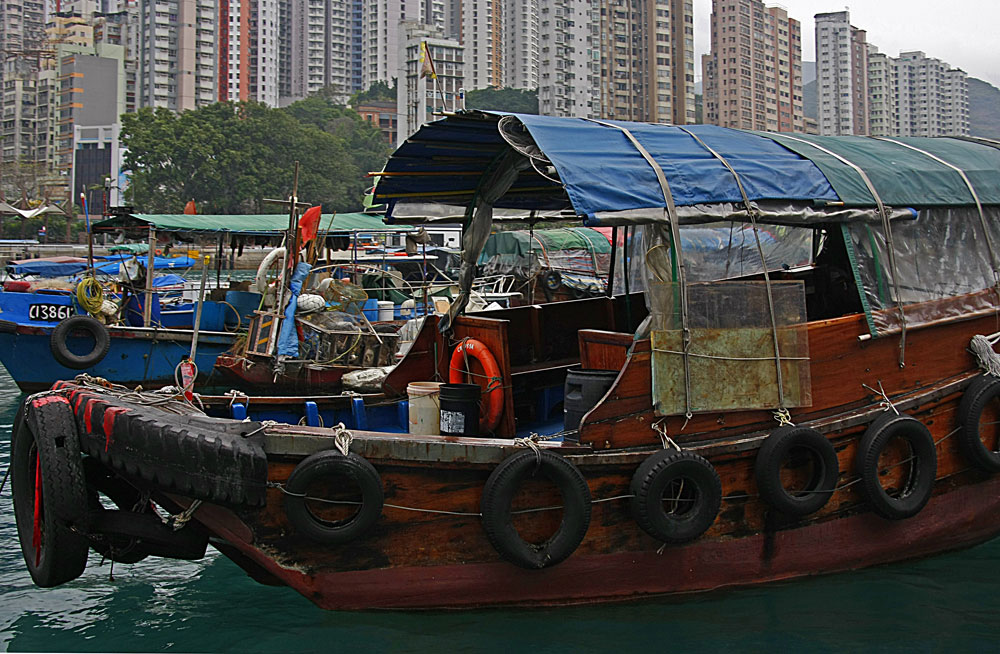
426	63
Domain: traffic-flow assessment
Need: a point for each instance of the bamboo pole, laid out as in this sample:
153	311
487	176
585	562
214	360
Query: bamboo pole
147	306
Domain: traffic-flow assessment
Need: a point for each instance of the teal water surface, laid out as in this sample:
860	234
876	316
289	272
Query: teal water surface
939	604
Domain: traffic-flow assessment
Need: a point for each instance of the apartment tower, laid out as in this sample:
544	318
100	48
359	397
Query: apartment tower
841	76
753	75
647	60
177	46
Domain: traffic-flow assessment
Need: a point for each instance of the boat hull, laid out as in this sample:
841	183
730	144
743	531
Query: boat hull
964	517
137	356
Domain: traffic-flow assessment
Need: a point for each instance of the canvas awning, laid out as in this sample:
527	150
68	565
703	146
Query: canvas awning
595	169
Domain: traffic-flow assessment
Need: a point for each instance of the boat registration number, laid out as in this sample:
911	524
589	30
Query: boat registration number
50	312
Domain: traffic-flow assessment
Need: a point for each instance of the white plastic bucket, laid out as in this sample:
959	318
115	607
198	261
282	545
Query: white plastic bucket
385	310
425	407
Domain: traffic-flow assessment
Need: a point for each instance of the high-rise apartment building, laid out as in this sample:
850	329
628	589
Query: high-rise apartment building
647	60
753	75
619	59
419	96
841	75
176	54
385	38
318	39
916	95
248	51
569	58
520	43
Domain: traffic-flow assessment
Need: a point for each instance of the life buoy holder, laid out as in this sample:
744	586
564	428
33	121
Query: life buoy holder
498	496
798	447
260	279
50	494
331	465
981	396
493	397
676	495
906	500
62	332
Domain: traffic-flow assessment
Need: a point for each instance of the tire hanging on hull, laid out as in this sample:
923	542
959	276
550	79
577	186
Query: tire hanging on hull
981	393
498	496
799	446
326	466
62	332
910	498
694	501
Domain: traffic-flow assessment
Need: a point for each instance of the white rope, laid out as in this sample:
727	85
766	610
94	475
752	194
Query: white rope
178	521
660	427
342	438
986	356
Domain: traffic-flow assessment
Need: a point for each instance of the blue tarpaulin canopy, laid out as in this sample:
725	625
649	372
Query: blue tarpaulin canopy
159	263
597	169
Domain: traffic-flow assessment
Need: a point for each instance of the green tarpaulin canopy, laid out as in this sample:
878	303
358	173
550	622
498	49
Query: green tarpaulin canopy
902	176
519	243
243	224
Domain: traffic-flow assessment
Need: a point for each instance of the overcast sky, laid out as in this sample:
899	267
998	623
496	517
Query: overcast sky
963	33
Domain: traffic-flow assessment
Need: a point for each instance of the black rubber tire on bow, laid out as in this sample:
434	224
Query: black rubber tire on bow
62	332
981	392
498	495
101	480
787	441
132	536
47	433
331	463
920	482
653	477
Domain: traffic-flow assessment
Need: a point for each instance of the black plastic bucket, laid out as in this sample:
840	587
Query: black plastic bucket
460	409
583	390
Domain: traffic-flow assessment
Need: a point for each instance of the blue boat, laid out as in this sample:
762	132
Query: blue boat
135	355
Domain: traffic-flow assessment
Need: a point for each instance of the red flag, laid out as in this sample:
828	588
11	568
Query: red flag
309	224
190	209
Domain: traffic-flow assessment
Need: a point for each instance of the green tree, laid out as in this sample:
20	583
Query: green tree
229	157
505	99
377	91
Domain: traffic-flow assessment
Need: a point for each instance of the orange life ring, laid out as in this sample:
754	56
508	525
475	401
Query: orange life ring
489	417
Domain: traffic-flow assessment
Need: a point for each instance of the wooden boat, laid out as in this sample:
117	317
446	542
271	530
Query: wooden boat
787	422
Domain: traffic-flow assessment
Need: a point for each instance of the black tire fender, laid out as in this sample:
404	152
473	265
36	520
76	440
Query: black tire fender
331	463
46	437
62	353
695	514
790	442
981	392
919	483
498	495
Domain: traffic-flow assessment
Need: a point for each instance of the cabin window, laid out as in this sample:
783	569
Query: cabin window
943	264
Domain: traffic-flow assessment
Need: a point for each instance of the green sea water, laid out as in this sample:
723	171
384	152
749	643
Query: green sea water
942	604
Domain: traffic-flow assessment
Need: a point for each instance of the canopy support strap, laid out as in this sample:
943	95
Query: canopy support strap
975	197
752	213
887	228
675	233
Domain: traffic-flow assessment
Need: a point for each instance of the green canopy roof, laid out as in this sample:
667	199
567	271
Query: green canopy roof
243	224
902	176
521	242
